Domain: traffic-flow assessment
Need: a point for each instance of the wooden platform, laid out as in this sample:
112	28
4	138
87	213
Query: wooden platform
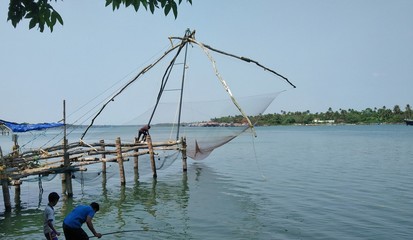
68	158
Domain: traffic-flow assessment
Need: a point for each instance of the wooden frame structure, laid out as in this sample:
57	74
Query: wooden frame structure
68	158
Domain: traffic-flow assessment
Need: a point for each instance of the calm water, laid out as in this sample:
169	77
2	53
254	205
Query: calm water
328	182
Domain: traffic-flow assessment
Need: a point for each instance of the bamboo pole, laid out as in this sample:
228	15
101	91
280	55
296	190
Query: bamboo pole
16	147
102	143
6	195
68	174
120	161
63	175
17	192
50	164
136	161
4	183
151	155
47	153
184	157
45	170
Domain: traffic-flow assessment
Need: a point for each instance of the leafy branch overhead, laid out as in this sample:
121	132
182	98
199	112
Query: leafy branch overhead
41	13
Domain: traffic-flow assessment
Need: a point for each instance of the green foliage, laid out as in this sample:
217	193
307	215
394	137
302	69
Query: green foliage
41	13
350	116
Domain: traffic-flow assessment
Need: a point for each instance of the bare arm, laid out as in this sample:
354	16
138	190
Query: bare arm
52	227
92	229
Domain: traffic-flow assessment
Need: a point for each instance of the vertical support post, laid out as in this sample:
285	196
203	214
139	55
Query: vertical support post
187	34
67	180
15	154
6	194
136	161
17	193
184	157
120	161
151	155
63	176
102	147
4	183
16	146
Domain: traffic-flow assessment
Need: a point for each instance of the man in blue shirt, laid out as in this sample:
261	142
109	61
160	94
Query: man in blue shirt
72	224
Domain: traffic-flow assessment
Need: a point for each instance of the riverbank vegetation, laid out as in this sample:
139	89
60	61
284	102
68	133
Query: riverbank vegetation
341	116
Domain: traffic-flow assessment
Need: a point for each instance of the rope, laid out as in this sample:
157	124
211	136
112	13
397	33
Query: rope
147	68
187	39
240	58
83	142
184	42
256	158
226	87
246	60
125	231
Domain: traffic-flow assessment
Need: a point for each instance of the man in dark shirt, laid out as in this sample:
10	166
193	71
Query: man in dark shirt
143	131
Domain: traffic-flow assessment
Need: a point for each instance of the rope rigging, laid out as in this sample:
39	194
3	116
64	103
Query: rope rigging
166	77
188	38
147	68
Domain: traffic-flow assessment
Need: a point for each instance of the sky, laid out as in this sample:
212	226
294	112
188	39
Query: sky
340	54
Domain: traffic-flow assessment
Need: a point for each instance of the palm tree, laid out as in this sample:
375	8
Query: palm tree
408	111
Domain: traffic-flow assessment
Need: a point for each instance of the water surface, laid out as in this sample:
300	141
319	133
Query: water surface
295	182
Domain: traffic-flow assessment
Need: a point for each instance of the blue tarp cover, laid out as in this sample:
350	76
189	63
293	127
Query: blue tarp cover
25	127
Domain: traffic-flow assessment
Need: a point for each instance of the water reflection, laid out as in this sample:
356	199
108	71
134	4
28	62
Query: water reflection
199	204
144	206
225	198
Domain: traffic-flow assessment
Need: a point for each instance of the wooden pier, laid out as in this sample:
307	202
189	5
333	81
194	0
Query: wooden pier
68	158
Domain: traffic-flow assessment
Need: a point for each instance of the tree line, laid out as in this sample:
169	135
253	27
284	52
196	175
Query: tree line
341	116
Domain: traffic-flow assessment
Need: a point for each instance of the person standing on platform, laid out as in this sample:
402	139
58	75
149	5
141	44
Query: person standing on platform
144	131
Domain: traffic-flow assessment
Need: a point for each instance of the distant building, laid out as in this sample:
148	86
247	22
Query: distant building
318	121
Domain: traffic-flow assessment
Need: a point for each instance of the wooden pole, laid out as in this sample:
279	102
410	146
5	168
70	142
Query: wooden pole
136	161
4	183
151	155
17	192
63	175
184	157
102	143
120	161
66	160
16	146
6	195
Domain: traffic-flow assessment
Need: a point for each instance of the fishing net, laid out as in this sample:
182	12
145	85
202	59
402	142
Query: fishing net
40	178
87	176
192	89
192	95
202	134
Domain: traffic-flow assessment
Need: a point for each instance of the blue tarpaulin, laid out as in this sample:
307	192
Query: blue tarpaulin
25	127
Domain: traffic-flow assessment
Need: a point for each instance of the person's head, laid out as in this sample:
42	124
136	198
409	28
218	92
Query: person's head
53	198
95	206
